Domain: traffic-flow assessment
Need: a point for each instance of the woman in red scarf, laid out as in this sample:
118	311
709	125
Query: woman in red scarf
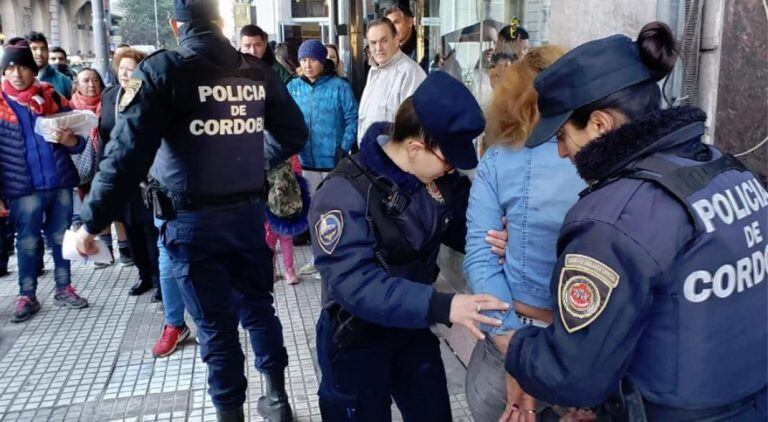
86	95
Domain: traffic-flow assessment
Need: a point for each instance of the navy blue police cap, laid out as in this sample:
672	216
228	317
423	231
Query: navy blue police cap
585	74
451	116
189	10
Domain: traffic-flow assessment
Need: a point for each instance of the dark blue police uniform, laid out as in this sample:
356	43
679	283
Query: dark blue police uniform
376	232
394	354
660	282
199	113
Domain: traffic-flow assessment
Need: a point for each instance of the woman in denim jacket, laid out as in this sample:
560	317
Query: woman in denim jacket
533	188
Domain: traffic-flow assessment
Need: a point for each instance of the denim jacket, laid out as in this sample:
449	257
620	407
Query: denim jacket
533	188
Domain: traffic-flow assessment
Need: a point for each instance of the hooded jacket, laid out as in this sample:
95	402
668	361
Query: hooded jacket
50	163
330	112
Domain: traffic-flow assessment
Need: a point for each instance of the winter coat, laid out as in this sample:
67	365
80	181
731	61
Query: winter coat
16	168
387	87
330	112
61	83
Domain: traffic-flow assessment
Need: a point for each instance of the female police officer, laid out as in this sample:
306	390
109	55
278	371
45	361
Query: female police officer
660	284
378	221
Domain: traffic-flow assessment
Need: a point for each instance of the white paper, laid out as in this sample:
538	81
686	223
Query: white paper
81	122
69	250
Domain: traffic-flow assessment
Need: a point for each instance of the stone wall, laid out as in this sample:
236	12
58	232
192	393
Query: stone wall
575	22
742	112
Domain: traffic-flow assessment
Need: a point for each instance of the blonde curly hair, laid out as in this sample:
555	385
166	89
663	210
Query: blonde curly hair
512	112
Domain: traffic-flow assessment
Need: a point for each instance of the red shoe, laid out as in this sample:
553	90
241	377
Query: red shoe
168	341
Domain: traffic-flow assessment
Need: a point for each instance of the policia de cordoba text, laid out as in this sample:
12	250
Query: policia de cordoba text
229	94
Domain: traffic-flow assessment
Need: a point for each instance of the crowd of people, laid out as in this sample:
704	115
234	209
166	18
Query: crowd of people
589	275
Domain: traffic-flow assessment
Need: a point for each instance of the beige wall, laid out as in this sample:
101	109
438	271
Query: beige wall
573	22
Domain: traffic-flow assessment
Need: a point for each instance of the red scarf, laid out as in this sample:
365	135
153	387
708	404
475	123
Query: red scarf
38	97
81	102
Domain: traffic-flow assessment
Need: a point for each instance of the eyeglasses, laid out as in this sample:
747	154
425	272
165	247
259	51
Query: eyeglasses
442	159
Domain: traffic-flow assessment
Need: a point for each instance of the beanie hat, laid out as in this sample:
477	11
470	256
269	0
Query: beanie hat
313	49
16	52
189	10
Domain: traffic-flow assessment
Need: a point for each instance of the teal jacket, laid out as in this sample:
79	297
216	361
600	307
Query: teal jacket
61	83
330	112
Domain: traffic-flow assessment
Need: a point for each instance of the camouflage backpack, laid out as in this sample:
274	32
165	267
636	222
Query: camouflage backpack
284	197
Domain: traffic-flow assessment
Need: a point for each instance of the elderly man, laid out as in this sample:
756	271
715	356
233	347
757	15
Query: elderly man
37	176
393	77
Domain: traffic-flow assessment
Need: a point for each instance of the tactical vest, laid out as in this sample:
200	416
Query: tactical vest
401	236
216	148
705	342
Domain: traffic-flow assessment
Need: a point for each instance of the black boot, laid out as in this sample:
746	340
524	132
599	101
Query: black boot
274	406
157	297
141	287
230	415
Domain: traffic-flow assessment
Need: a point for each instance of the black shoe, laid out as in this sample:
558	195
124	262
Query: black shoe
157	297
301	239
4	273
140	288
230	415
274	406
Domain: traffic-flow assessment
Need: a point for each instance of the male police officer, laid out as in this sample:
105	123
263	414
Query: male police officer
202	108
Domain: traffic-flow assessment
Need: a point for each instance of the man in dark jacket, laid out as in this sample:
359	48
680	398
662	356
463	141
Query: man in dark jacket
199	114
37	176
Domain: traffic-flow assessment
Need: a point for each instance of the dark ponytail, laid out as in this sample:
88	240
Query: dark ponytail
658	49
659	52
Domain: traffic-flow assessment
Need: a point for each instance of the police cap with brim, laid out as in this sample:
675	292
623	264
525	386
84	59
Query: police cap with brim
585	74
451	116
189	10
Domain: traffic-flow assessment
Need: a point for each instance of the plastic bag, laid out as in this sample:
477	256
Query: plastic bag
81	122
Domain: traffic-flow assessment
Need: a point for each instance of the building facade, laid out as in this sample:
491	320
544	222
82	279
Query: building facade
66	23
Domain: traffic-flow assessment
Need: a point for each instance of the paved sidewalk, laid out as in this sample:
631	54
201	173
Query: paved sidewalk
95	364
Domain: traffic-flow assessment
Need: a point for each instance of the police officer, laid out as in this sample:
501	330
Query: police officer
377	224
660	283
199	112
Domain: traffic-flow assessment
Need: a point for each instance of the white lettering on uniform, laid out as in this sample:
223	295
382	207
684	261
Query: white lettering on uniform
747	273
226	126
236	94
727	208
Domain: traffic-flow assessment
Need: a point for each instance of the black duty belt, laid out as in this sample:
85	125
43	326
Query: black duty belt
195	202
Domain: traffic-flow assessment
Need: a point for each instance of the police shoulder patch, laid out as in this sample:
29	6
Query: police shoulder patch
132	88
328	230
584	290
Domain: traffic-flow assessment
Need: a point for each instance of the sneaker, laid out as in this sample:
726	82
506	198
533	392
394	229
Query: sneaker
26	306
125	258
308	269
101	265
67	296
125	261
171	337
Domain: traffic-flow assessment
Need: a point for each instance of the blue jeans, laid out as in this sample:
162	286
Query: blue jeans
173	304
223	267
51	212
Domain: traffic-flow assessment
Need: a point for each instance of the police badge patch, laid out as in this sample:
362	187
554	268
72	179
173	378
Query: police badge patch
130	93
328	230
584	290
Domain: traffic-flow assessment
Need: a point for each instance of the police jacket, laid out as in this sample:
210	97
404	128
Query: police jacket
661	283
205	107
398	293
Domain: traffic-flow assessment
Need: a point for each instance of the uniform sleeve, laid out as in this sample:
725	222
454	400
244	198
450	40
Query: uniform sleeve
484	273
343	247
349	104
283	118
130	152
580	359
